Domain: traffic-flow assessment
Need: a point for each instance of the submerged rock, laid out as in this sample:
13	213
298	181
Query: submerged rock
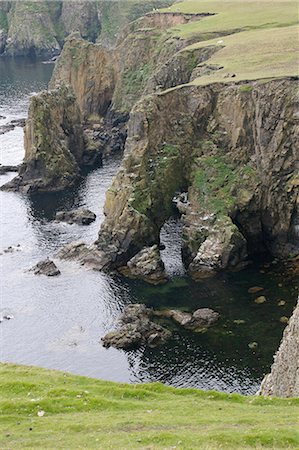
137	329
46	267
255	289
80	216
283	381
146	265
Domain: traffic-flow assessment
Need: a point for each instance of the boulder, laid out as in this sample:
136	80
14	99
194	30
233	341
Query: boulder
46	267
137	329
81	216
201	319
146	265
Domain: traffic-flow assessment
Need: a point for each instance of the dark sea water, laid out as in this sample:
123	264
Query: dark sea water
58	322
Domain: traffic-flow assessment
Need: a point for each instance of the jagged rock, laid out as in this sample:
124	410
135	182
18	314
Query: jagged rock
136	330
201	319
87	255
283	381
46	267
54	143
5	169
80	216
146	265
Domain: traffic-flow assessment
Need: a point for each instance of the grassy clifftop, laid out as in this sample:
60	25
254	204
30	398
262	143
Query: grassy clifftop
253	40
49	409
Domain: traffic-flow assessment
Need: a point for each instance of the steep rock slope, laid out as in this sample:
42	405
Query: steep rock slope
283	381
54	143
232	150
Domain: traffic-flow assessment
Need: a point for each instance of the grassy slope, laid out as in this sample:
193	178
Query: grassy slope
86	413
263	41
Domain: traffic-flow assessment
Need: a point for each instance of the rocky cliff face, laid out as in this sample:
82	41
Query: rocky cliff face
231	151
54	143
91	71
38	28
283	381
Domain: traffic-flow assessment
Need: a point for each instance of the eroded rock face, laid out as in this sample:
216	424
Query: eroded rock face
233	154
54	143
81	216
146	265
137	329
283	381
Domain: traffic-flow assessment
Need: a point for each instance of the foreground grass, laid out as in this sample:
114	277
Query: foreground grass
86	413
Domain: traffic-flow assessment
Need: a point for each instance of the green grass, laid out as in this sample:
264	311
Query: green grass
252	55
85	413
253	39
236	15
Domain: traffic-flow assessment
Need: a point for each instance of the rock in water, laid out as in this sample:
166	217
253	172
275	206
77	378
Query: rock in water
201	319
136	330
46	267
54	143
146	265
283	381
80	216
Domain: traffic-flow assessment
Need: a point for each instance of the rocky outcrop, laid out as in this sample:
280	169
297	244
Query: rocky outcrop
235	157
137	329
146	265
54	143
283	381
81	216
46	267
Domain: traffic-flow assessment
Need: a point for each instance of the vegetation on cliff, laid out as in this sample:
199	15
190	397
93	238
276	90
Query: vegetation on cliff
48	409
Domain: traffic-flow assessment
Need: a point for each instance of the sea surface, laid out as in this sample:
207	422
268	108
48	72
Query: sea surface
58	322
